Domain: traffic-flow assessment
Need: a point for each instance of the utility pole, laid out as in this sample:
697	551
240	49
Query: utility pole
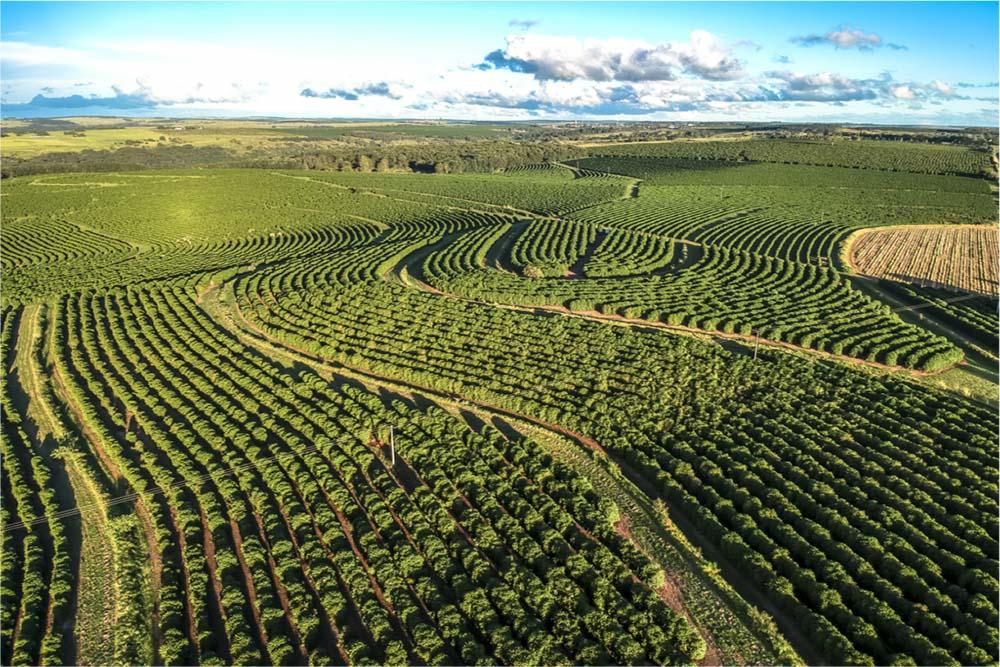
392	445
756	343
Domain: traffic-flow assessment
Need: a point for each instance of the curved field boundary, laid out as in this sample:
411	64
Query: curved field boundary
957	257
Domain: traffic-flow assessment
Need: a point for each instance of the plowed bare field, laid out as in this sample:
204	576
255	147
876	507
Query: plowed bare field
959	257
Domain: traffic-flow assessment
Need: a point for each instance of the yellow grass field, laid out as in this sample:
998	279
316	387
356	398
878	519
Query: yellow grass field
27	145
962	257
235	135
96	137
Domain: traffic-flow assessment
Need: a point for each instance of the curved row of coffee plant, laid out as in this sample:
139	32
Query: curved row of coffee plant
551	247
53	242
802	223
546	192
371	562
721	290
911	581
633	253
862	507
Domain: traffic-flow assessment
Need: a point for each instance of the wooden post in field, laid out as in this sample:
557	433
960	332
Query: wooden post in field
392	445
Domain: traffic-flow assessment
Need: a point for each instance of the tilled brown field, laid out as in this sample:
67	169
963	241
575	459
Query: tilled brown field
958	257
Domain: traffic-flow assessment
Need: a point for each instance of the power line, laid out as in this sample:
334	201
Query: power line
963	297
931	305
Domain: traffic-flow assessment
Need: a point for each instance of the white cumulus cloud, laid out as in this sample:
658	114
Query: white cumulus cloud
902	92
942	87
556	58
846	37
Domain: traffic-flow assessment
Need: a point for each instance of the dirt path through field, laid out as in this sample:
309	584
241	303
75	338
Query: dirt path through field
109	468
25	385
227	314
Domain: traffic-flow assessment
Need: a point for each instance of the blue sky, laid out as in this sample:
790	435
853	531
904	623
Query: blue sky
897	62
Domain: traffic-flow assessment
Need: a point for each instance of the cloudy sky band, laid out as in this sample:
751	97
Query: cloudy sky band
875	62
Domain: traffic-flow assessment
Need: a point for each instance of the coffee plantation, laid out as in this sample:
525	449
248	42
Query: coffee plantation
281	416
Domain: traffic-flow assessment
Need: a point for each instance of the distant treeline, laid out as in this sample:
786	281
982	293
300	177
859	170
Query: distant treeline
972	138
428	157
384	151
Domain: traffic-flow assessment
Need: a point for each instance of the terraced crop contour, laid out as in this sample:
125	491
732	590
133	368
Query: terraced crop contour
298	417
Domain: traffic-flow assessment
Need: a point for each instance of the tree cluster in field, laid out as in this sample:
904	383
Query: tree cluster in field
436	157
127	158
369	156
